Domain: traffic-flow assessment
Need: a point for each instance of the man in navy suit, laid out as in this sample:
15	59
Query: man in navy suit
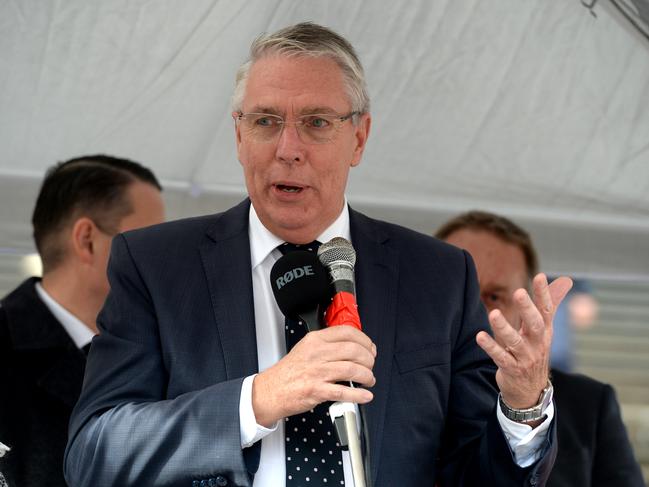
46	324
594	449
191	381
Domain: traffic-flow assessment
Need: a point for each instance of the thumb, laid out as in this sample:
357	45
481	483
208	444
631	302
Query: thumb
559	288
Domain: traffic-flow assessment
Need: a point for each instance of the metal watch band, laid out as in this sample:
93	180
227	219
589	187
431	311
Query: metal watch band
530	414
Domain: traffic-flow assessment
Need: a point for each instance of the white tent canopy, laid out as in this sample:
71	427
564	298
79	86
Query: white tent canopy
534	109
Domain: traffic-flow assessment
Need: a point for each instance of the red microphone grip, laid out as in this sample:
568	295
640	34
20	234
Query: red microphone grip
343	310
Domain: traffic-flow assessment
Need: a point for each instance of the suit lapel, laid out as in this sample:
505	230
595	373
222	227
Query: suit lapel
376	288
226	260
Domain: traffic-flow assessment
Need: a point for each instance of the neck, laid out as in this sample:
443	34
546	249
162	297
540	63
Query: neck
73	293
300	234
299	237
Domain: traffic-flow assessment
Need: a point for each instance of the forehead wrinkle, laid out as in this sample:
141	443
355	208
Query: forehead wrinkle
307	110
265	109
317	109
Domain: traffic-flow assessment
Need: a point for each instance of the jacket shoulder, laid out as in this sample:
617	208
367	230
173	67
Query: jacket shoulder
422	257
406	239
189	232
164	234
577	385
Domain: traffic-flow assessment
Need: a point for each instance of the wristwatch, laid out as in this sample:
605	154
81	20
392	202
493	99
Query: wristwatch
530	414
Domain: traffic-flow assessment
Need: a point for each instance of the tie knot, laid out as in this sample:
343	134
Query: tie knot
287	247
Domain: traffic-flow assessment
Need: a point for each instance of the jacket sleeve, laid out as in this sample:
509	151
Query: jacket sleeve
125	430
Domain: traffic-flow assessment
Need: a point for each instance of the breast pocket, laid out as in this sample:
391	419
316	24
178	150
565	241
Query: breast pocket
428	355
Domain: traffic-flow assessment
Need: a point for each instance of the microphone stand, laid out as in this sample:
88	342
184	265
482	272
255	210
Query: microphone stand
343	416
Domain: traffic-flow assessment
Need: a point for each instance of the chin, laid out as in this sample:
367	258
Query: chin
293	221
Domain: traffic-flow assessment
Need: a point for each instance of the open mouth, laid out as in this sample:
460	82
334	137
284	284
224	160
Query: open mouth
289	189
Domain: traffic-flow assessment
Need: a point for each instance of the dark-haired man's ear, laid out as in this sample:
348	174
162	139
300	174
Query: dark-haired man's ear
84	235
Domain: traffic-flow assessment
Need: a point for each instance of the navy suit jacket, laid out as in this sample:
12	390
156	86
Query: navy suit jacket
160	402
594	449
41	371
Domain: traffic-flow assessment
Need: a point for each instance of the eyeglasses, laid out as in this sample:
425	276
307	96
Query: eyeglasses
315	128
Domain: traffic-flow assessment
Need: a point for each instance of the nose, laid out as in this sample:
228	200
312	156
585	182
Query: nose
290	149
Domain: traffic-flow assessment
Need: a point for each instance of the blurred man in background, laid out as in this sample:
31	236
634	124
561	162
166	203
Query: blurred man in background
46	325
594	449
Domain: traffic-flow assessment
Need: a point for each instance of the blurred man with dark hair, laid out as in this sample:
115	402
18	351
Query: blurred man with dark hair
46	325
594	449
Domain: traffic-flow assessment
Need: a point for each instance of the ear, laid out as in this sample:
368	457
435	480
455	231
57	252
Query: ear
83	235
237	132
361	135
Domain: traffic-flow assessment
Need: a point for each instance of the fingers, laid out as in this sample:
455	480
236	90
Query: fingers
522	355
501	357
506	335
522	366
533	320
546	301
340	343
338	392
542	298
349	372
339	361
312	372
334	334
559	289
548	297
347	351
330	383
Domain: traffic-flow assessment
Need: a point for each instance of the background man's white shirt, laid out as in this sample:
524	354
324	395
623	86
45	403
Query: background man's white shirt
80	334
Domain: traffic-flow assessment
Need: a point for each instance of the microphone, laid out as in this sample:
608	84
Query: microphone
301	287
339	257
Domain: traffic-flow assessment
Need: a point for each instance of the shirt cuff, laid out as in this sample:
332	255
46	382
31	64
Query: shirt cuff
525	442
250	431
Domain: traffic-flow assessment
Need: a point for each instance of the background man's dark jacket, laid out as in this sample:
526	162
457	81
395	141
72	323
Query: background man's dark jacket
594	449
41	372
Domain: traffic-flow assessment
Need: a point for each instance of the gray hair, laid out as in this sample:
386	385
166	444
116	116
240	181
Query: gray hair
308	39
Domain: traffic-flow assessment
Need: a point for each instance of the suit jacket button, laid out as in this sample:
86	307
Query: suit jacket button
534	480
221	481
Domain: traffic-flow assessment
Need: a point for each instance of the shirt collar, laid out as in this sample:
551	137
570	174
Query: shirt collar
263	242
81	335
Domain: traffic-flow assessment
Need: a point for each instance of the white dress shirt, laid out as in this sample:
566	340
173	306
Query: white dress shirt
271	347
80	334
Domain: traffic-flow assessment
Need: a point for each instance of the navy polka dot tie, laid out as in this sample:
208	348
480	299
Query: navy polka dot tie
313	455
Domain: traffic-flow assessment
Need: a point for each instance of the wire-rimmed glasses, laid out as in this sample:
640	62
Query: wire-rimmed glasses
316	128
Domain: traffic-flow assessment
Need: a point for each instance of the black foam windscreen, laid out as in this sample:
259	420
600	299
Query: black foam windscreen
300	283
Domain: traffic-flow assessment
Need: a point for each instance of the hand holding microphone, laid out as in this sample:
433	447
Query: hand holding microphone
339	257
312	371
